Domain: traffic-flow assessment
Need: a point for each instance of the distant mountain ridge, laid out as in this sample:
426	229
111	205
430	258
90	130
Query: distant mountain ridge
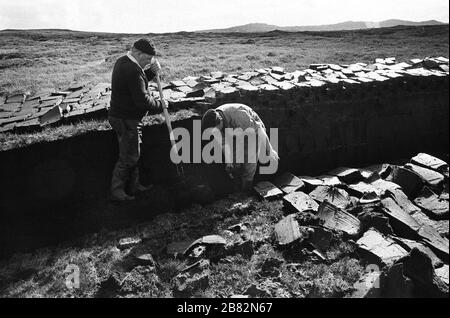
348	25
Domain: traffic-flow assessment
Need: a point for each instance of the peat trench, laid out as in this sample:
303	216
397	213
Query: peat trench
58	191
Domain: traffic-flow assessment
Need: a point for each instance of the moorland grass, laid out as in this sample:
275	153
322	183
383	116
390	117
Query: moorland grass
38	61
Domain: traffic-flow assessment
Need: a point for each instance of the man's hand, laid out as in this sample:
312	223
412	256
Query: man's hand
167	103
155	67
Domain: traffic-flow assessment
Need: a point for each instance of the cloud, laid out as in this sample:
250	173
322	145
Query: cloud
145	16
31	14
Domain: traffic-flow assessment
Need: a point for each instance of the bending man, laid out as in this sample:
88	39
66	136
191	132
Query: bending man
244	139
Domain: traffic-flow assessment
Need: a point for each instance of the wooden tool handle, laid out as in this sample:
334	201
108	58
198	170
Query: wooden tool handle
166	113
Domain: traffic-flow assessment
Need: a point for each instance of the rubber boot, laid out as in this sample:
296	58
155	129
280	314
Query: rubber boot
118	182
134	185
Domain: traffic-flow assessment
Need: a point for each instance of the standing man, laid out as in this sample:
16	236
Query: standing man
239	120
130	101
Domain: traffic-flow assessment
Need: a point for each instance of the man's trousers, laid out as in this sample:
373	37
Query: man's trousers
125	175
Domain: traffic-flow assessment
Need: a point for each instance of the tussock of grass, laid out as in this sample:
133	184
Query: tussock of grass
335	280
232	277
168	269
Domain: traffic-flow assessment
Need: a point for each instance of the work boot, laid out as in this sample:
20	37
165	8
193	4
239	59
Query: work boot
138	188
142	188
119	177
120	195
134	185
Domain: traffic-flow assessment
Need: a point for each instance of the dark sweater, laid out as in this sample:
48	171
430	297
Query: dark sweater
129	95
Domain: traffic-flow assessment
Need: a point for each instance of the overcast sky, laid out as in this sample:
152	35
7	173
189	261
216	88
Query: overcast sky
159	16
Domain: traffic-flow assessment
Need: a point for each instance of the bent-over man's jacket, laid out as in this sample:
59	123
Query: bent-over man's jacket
129	95
242	116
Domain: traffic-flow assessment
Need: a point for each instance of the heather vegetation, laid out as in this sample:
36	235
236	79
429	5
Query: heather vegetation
49	60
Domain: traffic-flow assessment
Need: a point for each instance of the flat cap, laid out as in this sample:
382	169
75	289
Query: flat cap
145	45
